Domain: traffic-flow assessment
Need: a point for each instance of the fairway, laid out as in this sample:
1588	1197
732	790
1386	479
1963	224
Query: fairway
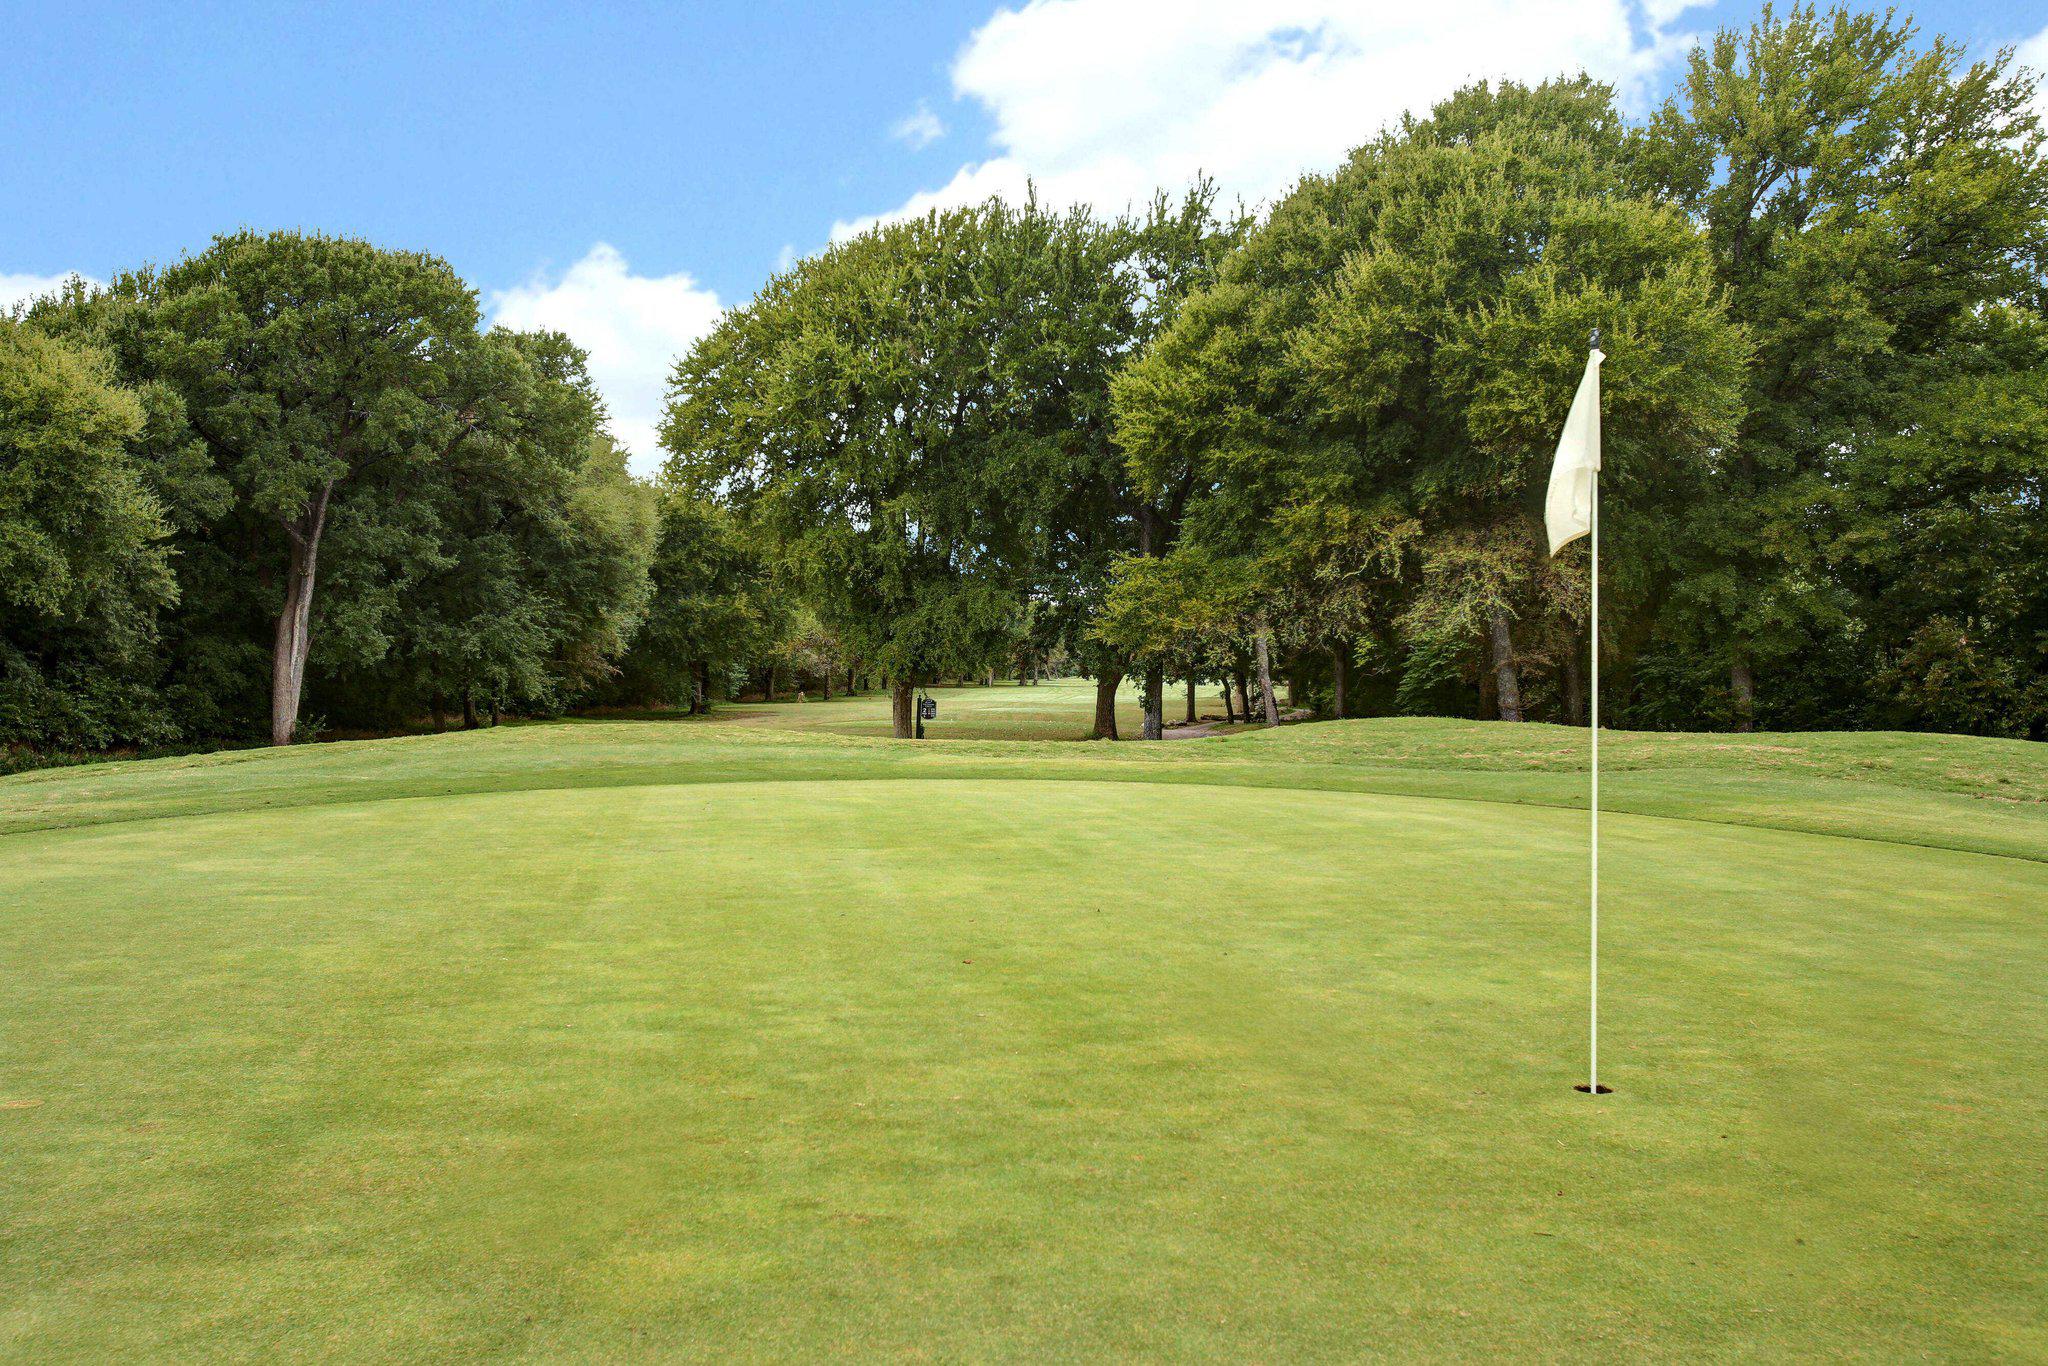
1056	709
733	1038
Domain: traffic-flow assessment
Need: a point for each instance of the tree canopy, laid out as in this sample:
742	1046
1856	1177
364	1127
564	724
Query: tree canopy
293	484
887	416
83	562
1378	375
315	441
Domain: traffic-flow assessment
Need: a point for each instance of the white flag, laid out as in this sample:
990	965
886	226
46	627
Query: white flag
1568	510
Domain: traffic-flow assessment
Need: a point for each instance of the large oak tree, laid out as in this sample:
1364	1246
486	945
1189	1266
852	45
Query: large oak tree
1395	348
308	365
880	414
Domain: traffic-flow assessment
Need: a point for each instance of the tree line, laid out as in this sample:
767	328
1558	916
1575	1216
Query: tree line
296	467
292	483
1188	444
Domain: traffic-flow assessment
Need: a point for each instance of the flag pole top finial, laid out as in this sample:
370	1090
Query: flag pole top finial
1596	339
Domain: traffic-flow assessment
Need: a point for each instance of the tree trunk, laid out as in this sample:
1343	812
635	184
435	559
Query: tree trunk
903	709
469	721
1507	685
825	676
440	708
494	713
1155	702
700	691
294	622
1192	718
1229	702
1244	696
1259	643
1742	687
1574	686
1340	676
1105	704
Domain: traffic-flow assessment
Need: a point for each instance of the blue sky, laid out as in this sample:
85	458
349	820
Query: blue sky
623	170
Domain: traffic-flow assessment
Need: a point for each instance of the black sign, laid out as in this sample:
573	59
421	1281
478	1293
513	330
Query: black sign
927	709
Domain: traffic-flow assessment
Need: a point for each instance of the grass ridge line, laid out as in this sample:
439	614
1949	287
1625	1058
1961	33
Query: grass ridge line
1208	779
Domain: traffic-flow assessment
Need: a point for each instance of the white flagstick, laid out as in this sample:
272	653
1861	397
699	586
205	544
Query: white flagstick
1593	1050
1571	509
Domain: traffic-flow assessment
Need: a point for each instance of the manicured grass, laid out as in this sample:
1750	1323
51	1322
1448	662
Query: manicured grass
730	1038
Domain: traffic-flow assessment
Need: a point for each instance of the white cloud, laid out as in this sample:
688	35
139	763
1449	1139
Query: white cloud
2033	54
1662	12
920	129
20	289
1104	101
633	326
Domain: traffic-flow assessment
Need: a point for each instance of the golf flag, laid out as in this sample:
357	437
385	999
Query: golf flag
1569	512
1568	509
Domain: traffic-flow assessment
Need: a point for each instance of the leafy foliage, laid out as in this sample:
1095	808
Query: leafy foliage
302	458
1395	348
294	469
83	564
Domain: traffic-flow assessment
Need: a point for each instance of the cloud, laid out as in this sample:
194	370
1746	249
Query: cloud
2033	54
20	289
633	326
920	129
1104	101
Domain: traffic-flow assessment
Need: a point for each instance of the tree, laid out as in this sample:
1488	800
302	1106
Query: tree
1878	217
309	366
809	650
504	566
1182	609
871	414
83	565
1118	285
187	684
1398	343
600	569
1340	577
712	604
513	569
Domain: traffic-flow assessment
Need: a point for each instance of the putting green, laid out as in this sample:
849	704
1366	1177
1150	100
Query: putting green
999	1067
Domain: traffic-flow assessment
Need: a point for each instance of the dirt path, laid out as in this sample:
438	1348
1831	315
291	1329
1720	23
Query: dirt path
1201	728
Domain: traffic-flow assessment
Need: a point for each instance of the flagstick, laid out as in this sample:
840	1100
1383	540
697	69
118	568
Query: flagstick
1593	1051
1566	518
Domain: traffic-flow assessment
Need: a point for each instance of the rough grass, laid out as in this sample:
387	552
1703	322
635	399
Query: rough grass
745	1039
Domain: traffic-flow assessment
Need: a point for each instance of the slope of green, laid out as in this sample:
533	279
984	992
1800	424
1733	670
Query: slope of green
1958	792
637	1039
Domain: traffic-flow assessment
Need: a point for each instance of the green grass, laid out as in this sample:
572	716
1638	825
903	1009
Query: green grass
746	1038
1056	709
